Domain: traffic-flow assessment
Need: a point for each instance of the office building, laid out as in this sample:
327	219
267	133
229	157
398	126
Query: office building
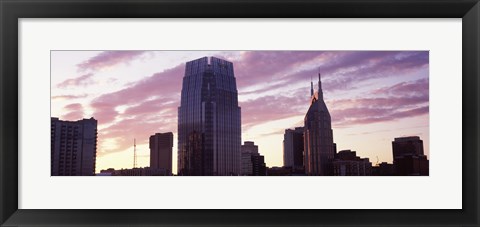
411	145
161	151
248	149
347	163
408	157
293	148
73	147
253	164
259	168
318	136
209	109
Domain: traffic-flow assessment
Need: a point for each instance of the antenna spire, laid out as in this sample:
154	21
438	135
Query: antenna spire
320	92
311	86
134	154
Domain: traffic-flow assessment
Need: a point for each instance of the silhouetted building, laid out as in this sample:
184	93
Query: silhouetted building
279	171
411	165
347	163
147	171
209	106
73	147
411	145
383	169
161	151
258	164
248	150
106	172
253	164
293	148
318	136
408	157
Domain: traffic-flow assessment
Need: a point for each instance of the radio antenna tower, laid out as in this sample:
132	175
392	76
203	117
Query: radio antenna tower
134	154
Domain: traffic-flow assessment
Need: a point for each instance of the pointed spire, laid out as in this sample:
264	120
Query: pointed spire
311	86
320	92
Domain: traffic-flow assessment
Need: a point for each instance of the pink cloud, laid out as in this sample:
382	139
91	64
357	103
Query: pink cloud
151	104
68	97
402	100
151	107
384	102
108	59
340	69
350	68
262	66
348	112
359	116
74	112
79	81
140	127
419	87
166	84
270	108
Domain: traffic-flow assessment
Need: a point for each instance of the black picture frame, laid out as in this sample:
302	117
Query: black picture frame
12	10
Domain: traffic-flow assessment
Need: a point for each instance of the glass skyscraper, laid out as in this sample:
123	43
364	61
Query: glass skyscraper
209	120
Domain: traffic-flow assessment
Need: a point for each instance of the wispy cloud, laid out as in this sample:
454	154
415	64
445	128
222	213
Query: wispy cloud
340	70
73	111
150	105
83	80
166	84
418	87
108	59
402	100
270	108
68	97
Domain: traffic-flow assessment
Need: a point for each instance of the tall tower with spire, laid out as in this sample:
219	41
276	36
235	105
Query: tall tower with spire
318	136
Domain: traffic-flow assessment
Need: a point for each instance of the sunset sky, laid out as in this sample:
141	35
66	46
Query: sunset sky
372	96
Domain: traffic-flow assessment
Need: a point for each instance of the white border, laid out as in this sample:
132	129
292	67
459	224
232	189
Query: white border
441	190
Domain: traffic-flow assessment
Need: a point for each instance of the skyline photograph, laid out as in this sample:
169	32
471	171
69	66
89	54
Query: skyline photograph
209	113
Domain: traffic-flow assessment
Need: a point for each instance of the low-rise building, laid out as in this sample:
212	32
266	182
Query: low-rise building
347	163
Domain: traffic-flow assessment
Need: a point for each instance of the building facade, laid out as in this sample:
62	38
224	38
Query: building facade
347	163
411	145
318	136
73	147
293	148
408	157
161	145
209	118
253	164
279	171
383	169
259	168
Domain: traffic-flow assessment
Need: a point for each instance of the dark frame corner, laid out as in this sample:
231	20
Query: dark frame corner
12	10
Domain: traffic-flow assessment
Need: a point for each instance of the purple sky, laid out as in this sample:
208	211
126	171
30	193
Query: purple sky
373	96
